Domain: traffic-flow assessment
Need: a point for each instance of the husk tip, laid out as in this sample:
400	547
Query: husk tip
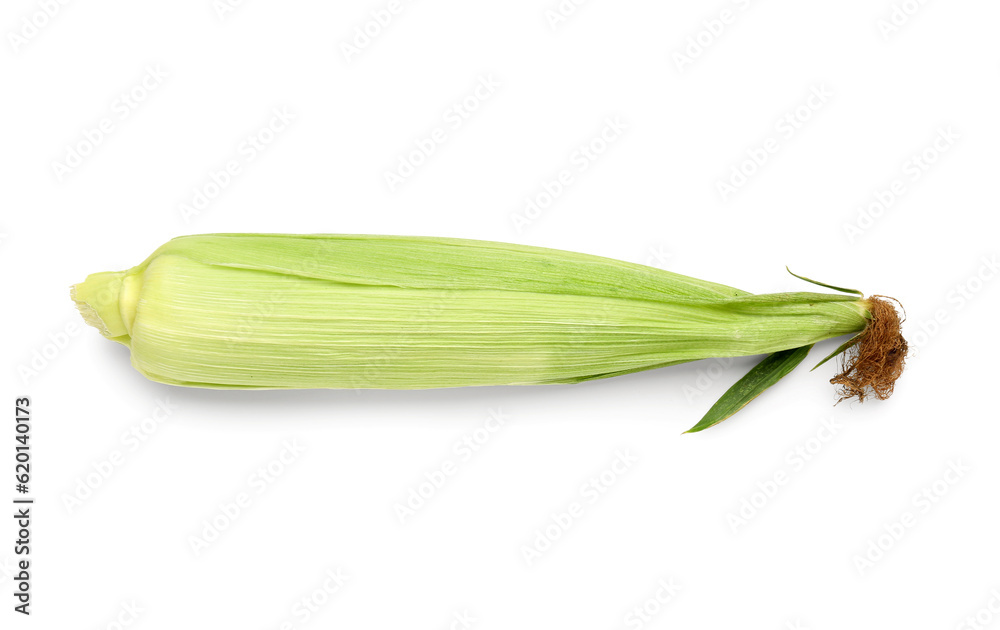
88	312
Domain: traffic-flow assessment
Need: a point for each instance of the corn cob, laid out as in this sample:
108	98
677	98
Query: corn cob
347	311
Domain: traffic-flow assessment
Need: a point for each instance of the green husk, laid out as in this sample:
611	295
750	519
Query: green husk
344	311
772	369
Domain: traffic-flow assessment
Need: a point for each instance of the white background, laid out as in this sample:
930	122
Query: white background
692	113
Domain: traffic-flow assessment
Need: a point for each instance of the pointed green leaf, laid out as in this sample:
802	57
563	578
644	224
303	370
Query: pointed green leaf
844	346
761	376
828	286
